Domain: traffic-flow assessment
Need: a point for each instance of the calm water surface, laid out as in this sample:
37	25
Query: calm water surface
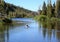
36	32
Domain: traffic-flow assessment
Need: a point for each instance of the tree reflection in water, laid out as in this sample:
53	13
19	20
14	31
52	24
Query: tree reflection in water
4	33
51	29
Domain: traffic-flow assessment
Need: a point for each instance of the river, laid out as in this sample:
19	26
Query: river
36	32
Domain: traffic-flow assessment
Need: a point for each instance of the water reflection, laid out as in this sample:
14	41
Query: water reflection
4	33
37	32
51	29
5	30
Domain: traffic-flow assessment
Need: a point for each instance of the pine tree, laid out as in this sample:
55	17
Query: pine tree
44	9
57	9
2	6
54	5
49	9
53	10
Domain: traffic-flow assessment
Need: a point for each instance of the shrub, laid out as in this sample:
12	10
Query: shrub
7	20
41	18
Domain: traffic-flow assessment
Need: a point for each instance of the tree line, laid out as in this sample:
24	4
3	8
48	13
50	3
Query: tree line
50	10
13	11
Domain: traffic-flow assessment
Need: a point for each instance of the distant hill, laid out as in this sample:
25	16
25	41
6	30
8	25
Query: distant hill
15	11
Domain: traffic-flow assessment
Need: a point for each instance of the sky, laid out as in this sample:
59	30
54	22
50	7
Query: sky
28	4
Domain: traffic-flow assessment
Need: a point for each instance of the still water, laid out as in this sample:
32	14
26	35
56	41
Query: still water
36	32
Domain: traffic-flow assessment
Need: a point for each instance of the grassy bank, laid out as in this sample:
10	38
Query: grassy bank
45	18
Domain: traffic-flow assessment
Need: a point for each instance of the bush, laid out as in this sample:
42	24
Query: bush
41	18
54	19
7	20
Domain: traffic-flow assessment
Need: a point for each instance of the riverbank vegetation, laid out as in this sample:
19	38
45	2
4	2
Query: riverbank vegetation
49	11
8	11
14	11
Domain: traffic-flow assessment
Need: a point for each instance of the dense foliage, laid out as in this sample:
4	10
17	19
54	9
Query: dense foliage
50	10
15	11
